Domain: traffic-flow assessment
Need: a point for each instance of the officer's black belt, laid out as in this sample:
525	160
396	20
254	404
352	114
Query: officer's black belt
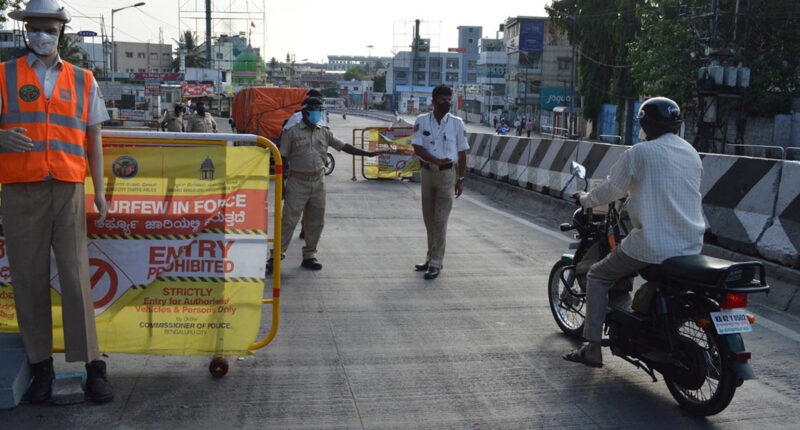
434	167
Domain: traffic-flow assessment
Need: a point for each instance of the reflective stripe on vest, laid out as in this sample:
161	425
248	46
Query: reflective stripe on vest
57	126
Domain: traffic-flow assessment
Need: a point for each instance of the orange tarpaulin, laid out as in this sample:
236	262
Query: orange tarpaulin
262	110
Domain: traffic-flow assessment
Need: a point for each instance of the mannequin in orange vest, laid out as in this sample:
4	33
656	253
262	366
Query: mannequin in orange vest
50	125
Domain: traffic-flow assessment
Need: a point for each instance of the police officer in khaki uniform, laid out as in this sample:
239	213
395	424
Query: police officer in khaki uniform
201	121
173	121
439	140
303	148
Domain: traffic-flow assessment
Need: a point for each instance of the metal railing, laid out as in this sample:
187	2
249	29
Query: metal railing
763	151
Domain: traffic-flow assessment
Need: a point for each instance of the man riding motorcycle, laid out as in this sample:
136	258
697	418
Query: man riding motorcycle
662	179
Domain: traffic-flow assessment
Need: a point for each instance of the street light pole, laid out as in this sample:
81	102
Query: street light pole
113	43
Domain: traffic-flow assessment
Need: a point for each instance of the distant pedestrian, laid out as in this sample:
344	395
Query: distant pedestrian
529	127
495	122
518	126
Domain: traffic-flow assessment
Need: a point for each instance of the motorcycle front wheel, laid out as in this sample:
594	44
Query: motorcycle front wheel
717	390
568	310
330	163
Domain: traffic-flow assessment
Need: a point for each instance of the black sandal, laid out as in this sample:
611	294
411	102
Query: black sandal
579	356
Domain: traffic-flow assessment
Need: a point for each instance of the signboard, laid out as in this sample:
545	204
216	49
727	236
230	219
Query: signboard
87	33
197	90
531	37
178	265
152	87
159	76
608	123
457	50
553	97
133	115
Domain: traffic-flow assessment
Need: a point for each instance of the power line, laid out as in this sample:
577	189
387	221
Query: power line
99	22
616	66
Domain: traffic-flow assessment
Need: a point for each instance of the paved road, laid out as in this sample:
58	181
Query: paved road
368	344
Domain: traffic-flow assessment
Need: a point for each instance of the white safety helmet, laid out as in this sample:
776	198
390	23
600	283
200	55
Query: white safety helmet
41	9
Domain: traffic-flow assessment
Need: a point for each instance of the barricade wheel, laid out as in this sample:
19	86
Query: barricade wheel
218	367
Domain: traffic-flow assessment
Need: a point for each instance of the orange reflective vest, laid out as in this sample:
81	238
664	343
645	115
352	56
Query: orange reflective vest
57	126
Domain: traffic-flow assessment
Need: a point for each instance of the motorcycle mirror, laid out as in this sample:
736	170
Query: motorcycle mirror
578	170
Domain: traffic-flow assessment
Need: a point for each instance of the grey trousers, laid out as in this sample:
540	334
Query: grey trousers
438	192
36	217
601	277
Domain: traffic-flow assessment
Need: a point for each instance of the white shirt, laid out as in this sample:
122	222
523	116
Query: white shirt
297	117
663	178
442	140
49	76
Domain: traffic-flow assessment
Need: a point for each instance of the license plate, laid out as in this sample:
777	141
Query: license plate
729	321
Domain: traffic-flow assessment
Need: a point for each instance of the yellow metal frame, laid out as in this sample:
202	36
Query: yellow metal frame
363	166
113	137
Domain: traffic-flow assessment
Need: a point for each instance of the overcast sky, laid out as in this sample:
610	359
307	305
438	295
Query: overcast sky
309	29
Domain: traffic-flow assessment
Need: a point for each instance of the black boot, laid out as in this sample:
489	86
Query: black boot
42	385
98	389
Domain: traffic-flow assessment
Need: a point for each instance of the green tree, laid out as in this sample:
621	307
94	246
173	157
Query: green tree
379	83
602	32
668	55
195	56
8	4
70	52
354	72
331	91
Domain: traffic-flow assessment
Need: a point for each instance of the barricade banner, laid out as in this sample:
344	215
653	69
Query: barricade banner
400	162
178	265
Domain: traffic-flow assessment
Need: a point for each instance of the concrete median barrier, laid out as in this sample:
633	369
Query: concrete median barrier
739	199
751	205
781	240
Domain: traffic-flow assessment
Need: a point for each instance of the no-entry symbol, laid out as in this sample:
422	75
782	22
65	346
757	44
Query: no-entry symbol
103	277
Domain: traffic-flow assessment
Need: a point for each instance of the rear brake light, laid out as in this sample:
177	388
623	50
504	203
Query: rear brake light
741	356
733	301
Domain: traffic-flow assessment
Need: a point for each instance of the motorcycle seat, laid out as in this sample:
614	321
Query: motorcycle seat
699	269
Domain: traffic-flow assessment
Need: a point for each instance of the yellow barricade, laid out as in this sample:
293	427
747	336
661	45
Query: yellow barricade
400	162
177	267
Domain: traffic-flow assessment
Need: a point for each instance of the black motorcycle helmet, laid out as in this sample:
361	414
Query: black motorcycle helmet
659	115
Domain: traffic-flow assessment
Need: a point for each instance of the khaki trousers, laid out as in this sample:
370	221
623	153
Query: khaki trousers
438	192
304	197
601	277
36	217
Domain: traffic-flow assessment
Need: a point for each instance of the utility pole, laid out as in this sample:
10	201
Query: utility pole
208	33
415	53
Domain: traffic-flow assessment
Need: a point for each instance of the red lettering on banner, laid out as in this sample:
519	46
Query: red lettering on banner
2	248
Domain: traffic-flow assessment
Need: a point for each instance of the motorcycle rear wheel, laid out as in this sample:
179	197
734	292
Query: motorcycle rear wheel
568	310
720	383
330	163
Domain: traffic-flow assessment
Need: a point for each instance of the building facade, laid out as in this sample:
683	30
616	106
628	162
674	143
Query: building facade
138	57
538	69
343	63
492	62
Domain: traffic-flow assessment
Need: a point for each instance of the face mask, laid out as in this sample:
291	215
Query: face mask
314	116
642	134
201	111
43	44
444	107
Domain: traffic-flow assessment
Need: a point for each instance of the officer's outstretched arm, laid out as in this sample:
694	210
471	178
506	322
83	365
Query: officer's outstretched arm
350	149
95	156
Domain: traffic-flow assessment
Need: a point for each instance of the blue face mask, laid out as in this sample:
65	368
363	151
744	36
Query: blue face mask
314	116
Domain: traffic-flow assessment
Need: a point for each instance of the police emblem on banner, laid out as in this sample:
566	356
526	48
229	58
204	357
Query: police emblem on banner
29	93
125	167
207	169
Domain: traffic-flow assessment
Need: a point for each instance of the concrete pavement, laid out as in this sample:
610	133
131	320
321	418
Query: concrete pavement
366	343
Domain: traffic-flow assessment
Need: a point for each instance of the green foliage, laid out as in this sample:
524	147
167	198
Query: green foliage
379	83
195	56
8	4
70	52
331	91
602	31
273	63
354	72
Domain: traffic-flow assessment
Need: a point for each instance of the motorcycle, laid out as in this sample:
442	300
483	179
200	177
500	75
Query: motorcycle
685	322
